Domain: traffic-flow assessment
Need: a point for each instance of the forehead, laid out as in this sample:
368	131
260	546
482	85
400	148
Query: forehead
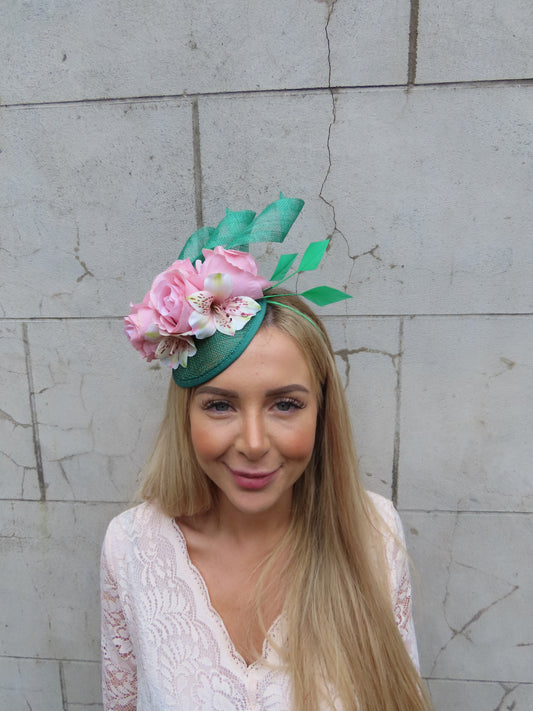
272	359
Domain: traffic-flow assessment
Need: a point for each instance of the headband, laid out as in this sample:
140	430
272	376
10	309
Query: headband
199	318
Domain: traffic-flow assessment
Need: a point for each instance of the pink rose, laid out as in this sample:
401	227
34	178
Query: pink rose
140	327
168	296
240	266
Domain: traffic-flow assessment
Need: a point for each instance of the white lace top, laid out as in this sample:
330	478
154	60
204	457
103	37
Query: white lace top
165	648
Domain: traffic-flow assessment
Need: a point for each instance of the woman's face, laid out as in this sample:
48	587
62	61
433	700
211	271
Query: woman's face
253	426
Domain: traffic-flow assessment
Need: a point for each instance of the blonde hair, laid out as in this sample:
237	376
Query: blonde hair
340	623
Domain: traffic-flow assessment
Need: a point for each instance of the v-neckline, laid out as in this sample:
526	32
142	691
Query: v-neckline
204	590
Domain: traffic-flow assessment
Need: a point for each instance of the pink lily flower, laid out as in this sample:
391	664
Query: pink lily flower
215	309
174	350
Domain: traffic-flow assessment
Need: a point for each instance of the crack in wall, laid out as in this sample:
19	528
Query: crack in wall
18	465
507	364
63	687
462	631
33	410
397	417
396	359
507	690
331	8
483	610
197	164
65	475
6	416
413	43
369	252
83	265
447	592
156	98
25	471
345	353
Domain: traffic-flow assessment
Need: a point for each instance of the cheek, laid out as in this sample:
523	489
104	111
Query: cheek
209	439
299	444
203	441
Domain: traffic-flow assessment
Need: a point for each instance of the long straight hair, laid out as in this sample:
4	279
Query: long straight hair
343	640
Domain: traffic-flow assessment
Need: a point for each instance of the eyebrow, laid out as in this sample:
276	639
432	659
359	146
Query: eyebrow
221	392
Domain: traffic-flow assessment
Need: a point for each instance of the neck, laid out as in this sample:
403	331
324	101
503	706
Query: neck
247	530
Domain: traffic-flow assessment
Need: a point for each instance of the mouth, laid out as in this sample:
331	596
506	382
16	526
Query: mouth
252	480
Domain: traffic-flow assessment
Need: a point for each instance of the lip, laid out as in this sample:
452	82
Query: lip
252	480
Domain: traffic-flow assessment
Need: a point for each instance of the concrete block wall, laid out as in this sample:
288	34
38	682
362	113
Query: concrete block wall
406	126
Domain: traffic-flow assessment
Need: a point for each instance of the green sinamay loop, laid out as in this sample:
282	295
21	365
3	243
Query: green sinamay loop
243	227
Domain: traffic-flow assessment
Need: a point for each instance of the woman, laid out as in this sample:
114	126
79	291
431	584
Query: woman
258	574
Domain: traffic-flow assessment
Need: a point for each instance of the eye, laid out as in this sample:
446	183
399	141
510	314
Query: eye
216	406
288	404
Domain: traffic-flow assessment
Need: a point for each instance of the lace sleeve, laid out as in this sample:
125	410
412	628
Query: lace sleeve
399	578
119	668
401	585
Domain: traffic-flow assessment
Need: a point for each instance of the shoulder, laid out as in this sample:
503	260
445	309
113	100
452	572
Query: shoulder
390	531
134	520
387	513
127	531
393	546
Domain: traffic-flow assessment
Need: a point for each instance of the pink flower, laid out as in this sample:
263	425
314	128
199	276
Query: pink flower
185	302
240	266
215	309
168	296
174	350
140	327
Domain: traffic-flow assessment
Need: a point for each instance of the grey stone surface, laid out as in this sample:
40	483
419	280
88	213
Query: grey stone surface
466	414
367	353
18	472
481	695
50	557
98	406
255	146
82	685
95	199
472	606
433	192
369	42
29	684
97	49
472	40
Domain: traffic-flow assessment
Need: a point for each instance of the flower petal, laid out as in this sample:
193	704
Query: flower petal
240	266
174	351
223	321
202	324
201	302
152	333
241	306
239	310
219	285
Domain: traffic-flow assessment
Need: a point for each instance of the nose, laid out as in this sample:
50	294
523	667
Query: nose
252	440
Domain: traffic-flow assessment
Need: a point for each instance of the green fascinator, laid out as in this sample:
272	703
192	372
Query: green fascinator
204	309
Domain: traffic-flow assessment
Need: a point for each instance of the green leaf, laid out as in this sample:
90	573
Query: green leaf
312	256
324	295
284	264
